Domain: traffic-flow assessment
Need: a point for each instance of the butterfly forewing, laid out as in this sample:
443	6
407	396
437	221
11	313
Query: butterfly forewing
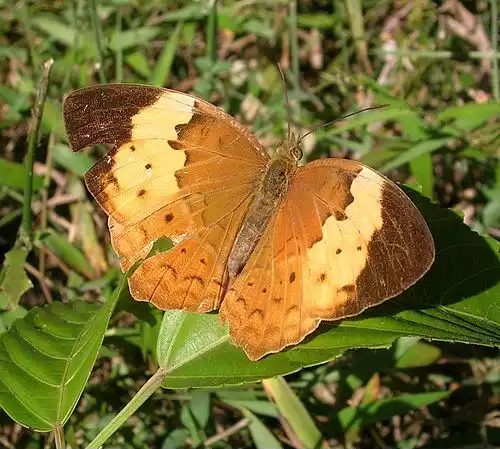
180	166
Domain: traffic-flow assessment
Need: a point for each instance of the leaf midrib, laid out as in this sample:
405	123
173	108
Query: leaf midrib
65	379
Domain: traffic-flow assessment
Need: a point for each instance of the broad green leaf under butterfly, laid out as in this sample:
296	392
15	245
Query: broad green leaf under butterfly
46	359
458	300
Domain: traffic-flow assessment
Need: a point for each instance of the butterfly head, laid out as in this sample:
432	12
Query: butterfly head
290	149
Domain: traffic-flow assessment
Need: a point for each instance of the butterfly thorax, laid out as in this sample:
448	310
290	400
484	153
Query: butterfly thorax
265	203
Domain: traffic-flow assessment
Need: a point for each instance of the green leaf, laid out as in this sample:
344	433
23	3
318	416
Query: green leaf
164	62
13	279
199	405
491	212
175	439
469	116
423	170
393	113
138	62
416	354
195	11
457	301
295	413
46	359
248	399
17	101
10	316
384	409
13	176
77	163
416	151
321	21
52	118
195	415
68	253
56	29
261	435
133	38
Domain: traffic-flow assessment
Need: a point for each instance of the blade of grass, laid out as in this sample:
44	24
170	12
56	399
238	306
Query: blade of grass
294	55
119	49
162	70
294	45
421	148
96	25
423	170
355	14
26	22
261	435
212	33
45	199
26	228
14	176
7	218
495	76
142	395
292	409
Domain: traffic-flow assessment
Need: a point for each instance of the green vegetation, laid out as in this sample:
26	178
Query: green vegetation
82	364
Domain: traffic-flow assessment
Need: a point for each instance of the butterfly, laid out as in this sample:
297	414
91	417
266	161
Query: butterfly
274	246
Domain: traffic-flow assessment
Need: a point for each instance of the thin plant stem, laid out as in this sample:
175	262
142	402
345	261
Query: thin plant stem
440	54
495	76
294	55
98	39
212	33
142	395
119	50
59	437
73	52
294	45
45	198
41	95
26	22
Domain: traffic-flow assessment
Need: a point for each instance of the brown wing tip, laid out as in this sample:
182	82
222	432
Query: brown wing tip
103	113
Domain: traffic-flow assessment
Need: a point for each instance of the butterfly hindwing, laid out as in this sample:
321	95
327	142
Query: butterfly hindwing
345	239
190	275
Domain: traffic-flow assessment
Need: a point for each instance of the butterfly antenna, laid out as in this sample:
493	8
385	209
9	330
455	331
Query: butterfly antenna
288	111
324	125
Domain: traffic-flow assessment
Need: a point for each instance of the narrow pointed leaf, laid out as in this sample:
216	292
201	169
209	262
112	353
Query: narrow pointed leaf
261	435
292	409
384	409
13	175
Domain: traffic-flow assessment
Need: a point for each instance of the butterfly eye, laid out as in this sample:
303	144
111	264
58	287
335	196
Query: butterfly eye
297	153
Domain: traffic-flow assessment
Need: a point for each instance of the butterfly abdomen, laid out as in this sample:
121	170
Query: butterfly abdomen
268	196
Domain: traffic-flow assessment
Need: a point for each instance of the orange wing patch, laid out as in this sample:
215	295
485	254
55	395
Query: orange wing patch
345	239
180	166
